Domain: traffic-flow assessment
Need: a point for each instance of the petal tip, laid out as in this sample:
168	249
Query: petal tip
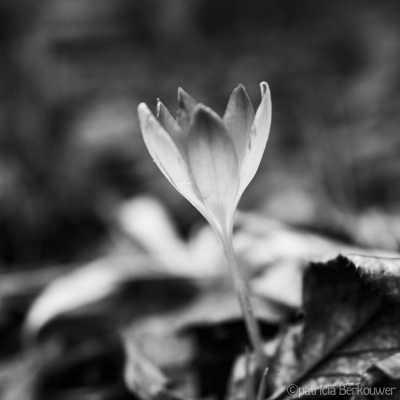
143	111
206	117
240	93
202	111
264	88
147	120
185	100
142	107
240	89
182	94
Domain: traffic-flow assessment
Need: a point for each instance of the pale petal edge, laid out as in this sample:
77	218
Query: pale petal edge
257	141
168	158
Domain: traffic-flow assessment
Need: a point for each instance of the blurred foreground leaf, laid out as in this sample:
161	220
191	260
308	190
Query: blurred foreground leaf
117	288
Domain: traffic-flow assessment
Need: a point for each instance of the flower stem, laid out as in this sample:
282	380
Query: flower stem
245	303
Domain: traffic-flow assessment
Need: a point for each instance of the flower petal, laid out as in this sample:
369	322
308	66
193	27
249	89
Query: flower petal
238	118
213	162
168	158
187	105
257	141
170	125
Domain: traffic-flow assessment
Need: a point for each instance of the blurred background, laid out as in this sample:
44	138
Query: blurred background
73	72
72	158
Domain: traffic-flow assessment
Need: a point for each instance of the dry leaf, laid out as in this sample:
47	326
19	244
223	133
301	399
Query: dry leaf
351	307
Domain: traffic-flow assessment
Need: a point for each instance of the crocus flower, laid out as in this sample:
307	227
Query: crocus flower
208	159
211	160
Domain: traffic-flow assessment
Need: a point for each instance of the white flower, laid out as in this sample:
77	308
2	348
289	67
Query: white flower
209	160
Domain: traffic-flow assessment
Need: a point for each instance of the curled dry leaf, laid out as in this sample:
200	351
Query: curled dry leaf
351	323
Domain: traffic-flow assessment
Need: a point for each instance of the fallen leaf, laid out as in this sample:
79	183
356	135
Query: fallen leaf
351	307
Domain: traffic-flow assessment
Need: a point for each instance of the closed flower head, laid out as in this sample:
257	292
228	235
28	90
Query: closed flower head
208	159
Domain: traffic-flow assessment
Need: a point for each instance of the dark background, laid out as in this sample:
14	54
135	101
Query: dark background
72	73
